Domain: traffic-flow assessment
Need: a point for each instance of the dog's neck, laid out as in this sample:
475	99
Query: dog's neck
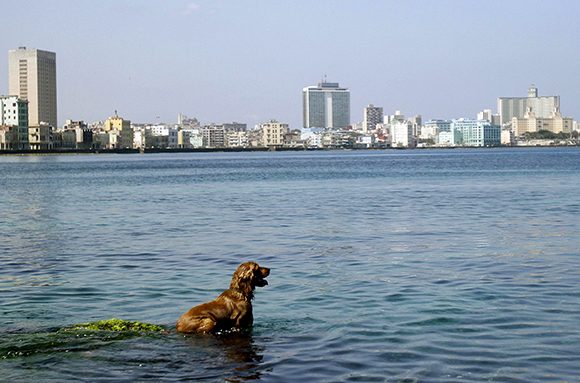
246	291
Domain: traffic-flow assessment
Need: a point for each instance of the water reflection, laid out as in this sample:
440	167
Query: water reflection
235	354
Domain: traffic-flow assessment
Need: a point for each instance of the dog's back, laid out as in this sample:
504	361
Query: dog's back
225	312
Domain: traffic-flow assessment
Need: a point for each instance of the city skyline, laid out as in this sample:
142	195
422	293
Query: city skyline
230	61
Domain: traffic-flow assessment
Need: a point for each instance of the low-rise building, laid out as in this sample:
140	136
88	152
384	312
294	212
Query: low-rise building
237	139
120	132
14	123
191	138
532	123
272	133
40	137
477	132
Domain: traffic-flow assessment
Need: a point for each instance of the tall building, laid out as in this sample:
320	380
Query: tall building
373	115
510	107
32	77
326	106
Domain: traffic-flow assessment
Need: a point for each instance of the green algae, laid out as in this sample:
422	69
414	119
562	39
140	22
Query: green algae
115	324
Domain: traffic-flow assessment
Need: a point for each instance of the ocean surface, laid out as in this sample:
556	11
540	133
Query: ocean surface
387	266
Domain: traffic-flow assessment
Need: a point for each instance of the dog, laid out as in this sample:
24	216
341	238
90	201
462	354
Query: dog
232	310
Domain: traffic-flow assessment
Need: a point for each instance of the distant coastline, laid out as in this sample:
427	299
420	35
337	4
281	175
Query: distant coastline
253	149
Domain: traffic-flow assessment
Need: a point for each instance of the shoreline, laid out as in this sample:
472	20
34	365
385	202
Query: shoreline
256	149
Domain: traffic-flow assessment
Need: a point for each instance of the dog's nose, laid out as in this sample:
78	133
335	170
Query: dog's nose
265	271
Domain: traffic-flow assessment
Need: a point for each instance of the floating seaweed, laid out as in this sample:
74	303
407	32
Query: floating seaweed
115	324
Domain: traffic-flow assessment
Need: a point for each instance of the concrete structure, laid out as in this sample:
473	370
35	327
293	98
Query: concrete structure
120	132
488	115
326	106
14	123
477	133
237	139
214	136
312	137
507	137
272	133
402	134
189	138
32	77
510	107
532	123
235	127
433	128
40	137
449	138
75	135
372	116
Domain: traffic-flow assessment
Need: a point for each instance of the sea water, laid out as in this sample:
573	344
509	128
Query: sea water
387	266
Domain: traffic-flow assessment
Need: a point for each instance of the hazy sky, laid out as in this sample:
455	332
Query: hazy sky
247	61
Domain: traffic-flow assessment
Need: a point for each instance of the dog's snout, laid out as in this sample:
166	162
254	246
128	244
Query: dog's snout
265	271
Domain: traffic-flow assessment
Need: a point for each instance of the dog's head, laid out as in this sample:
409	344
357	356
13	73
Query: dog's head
248	276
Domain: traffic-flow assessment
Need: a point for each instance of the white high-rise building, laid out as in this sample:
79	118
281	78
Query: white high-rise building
326	106
510	107
32	77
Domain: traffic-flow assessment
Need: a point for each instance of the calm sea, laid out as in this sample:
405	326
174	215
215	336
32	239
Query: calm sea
387	266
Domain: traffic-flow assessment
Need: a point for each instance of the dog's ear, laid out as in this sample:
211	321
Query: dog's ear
245	271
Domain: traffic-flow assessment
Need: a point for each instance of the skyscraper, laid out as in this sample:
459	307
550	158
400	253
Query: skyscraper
32	77
326	106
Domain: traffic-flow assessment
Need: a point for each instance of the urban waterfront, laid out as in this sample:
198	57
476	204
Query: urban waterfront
397	266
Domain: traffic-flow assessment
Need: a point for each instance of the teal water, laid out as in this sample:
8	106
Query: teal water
387	266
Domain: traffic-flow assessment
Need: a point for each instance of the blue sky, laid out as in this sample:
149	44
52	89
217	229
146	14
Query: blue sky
247	61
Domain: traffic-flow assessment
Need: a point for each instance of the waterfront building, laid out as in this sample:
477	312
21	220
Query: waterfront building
159	136
433	127
477	132
402	134
292	139
510	107
32	77
532	123
40	137
449	138
190	138
237	139
507	137
372	116
75	135
272	133
312	137
120	132
14	123
214	136
326	106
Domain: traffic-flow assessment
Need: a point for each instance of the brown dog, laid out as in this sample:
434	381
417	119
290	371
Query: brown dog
232	309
